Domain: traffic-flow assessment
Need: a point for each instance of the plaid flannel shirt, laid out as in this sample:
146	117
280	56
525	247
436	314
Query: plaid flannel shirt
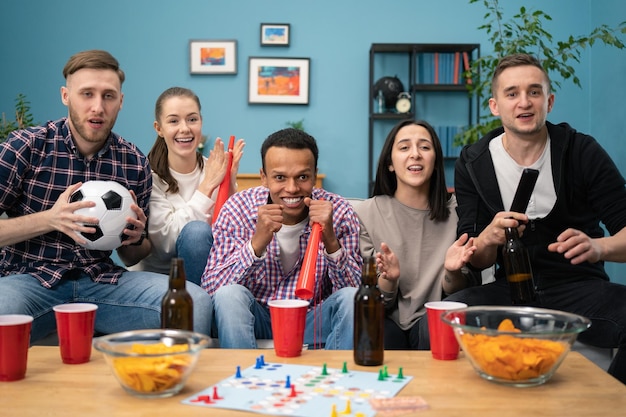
230	260
36	166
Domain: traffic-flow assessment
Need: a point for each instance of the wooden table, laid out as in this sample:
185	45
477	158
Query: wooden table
451	388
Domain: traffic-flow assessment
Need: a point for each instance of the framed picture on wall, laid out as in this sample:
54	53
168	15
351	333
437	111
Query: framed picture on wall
213	56
275	34
278	80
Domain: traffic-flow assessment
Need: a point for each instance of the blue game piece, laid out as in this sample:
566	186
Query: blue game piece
258	364
288	382
262	360
238	373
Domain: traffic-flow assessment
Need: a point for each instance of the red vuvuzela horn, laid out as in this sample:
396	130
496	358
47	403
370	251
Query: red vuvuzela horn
306	279
222	194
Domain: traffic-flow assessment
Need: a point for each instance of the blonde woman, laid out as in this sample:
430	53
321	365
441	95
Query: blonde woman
185	184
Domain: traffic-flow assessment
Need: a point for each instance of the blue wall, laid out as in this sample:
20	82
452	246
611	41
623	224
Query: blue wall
150	38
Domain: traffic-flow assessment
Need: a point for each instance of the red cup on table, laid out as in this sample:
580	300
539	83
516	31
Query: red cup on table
443	343
75	326
14	343
288	321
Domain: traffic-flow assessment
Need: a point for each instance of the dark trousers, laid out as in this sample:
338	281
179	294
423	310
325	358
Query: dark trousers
415	338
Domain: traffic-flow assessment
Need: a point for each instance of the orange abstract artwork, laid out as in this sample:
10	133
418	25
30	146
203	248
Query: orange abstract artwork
279	81
212	56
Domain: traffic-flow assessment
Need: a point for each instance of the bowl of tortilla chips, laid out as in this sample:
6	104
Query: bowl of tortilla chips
519	346
152	363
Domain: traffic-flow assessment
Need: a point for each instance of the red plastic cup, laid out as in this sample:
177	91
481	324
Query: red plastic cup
14	342
443	343
288	321
75	325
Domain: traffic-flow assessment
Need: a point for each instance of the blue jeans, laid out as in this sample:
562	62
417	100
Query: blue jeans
602	302
240	319
134	303
193	245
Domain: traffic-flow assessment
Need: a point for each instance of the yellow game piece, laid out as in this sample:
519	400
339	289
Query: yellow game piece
348	409
333	411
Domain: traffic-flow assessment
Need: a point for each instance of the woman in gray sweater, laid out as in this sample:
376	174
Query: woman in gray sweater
410	223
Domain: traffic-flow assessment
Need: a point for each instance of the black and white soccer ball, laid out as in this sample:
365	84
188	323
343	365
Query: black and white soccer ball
112	208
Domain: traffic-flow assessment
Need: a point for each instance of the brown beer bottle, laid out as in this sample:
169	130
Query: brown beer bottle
369	316
517	268
177	305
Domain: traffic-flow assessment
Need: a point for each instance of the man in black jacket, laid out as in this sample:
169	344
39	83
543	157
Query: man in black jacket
578	187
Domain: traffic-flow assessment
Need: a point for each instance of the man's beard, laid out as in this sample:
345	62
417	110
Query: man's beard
87	134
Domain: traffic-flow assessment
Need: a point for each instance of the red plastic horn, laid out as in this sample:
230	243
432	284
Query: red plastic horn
306	280
222	194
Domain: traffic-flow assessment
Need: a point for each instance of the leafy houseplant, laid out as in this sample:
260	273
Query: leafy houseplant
524	32
23	118
299	124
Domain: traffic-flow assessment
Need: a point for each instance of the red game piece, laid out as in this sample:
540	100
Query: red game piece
202	398
215	396
293	392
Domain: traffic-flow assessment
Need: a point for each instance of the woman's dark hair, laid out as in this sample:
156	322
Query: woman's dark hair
386	182
158	154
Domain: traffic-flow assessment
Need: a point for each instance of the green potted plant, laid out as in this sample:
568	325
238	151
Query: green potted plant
525	32
299	124
23	118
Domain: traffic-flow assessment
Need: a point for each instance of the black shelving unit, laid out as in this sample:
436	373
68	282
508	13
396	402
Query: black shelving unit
408	66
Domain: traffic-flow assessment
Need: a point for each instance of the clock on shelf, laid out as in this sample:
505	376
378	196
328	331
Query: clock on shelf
403	104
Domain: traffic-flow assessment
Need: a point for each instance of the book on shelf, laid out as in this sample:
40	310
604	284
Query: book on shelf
446	136
466	67
443	68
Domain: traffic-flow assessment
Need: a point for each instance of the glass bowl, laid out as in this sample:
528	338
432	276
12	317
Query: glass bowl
519	346
152	363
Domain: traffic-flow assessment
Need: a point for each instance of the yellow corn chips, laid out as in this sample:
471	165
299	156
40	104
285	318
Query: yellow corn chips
512	358
153	374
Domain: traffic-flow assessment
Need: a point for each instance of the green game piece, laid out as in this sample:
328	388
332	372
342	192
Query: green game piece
381	376
324	371
385	372
400	375
344	370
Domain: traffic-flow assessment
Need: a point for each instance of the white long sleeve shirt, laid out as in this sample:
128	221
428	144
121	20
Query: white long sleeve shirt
169	213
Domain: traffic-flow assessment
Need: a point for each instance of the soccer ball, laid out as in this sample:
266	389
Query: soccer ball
112	208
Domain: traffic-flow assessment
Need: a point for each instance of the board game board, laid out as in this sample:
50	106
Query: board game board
301	390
